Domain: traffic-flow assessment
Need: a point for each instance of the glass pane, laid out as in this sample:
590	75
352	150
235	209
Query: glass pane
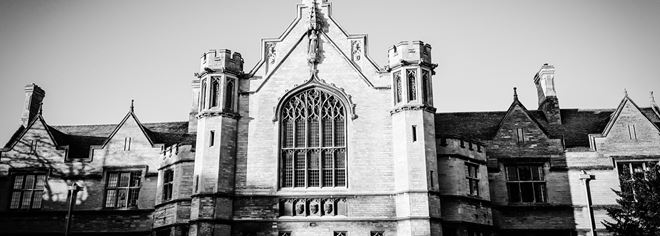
313	160
512	173
121	198
527	192
15	200
124	179
288	133
327	178
287	163
18	181
637	167
110	198
314	133
339	133
327	133
133	196
41	182
300	133
327	159
536	173
340	177
36	199
136	178
112	180
27	198
313	178
398	87
525	173
539	192
624	171
29	182
340	161
300	169
514	192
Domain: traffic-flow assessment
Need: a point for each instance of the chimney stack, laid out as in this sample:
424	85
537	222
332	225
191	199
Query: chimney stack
34	96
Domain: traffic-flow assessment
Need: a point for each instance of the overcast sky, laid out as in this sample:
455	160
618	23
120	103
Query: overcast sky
93	57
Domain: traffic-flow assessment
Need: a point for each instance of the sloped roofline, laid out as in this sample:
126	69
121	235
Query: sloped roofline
617	112
20	133
114	132
334	45
509	111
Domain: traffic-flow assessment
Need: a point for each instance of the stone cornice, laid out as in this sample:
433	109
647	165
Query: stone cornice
413	108
232	115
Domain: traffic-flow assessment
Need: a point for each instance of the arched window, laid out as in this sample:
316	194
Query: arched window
203	96
313	140
215	92
229	95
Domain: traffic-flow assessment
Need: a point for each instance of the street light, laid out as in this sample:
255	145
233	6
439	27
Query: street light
585	177
73	190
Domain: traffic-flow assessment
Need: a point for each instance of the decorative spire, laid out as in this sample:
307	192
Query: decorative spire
313	33
132	105
515	94
653	100
625	92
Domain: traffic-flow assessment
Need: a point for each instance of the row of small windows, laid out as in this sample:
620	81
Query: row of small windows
334	233
215	93
411	81
471	146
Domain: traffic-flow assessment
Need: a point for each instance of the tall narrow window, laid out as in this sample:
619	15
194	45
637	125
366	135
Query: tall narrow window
632	131
313	140
411	74
122	189
229	95
127	143
27	191
202	96
33	146
526	183
215	92
472	176
414	133
426	87
520	135
397	87
168	180
211	138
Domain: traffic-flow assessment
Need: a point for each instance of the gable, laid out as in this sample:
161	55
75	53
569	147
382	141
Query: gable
628	131
36	146
518	118
129	134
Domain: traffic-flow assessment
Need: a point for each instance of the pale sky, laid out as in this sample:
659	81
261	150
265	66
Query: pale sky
93	57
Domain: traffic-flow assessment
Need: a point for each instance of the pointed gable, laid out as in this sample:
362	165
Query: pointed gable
629	130
128	133
519	134
36	144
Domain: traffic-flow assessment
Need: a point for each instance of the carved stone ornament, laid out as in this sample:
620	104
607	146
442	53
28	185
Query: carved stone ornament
329	207
356	49
314	207
270	53
300	207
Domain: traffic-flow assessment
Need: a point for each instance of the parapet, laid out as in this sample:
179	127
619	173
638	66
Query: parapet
409	52
221	60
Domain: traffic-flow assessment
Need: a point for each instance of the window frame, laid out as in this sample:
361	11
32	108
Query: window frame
295	156
168	184
519	182
141	172
34	188
624	184
472	180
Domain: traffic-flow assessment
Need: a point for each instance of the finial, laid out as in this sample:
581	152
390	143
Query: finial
132	105
625	92
653	100
515	93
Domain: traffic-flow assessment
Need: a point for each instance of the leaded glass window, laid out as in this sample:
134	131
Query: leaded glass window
412	84
313	140
426	87
215	92
397	87
229	95
202	97
27	191
122	189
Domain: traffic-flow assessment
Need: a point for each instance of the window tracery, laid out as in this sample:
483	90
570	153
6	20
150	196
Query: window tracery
313	140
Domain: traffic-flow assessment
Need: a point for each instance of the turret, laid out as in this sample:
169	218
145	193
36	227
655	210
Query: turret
548	101
216	124
34	96
413	136
410	63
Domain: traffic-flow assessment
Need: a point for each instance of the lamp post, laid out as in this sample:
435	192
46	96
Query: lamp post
73	190
585	177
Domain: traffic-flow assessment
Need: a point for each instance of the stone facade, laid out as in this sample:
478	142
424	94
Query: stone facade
316	139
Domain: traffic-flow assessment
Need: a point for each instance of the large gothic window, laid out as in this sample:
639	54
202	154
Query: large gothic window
313	141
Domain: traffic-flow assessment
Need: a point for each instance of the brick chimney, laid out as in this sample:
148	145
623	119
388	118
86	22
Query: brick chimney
34	95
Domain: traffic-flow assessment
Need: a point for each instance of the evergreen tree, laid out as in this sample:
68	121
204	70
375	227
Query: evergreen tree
638	213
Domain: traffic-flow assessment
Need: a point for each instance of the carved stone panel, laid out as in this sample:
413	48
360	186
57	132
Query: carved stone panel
320	207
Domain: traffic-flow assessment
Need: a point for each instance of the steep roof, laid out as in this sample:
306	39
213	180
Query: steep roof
577	124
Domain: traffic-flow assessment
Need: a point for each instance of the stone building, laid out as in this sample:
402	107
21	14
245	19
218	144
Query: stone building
317	139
